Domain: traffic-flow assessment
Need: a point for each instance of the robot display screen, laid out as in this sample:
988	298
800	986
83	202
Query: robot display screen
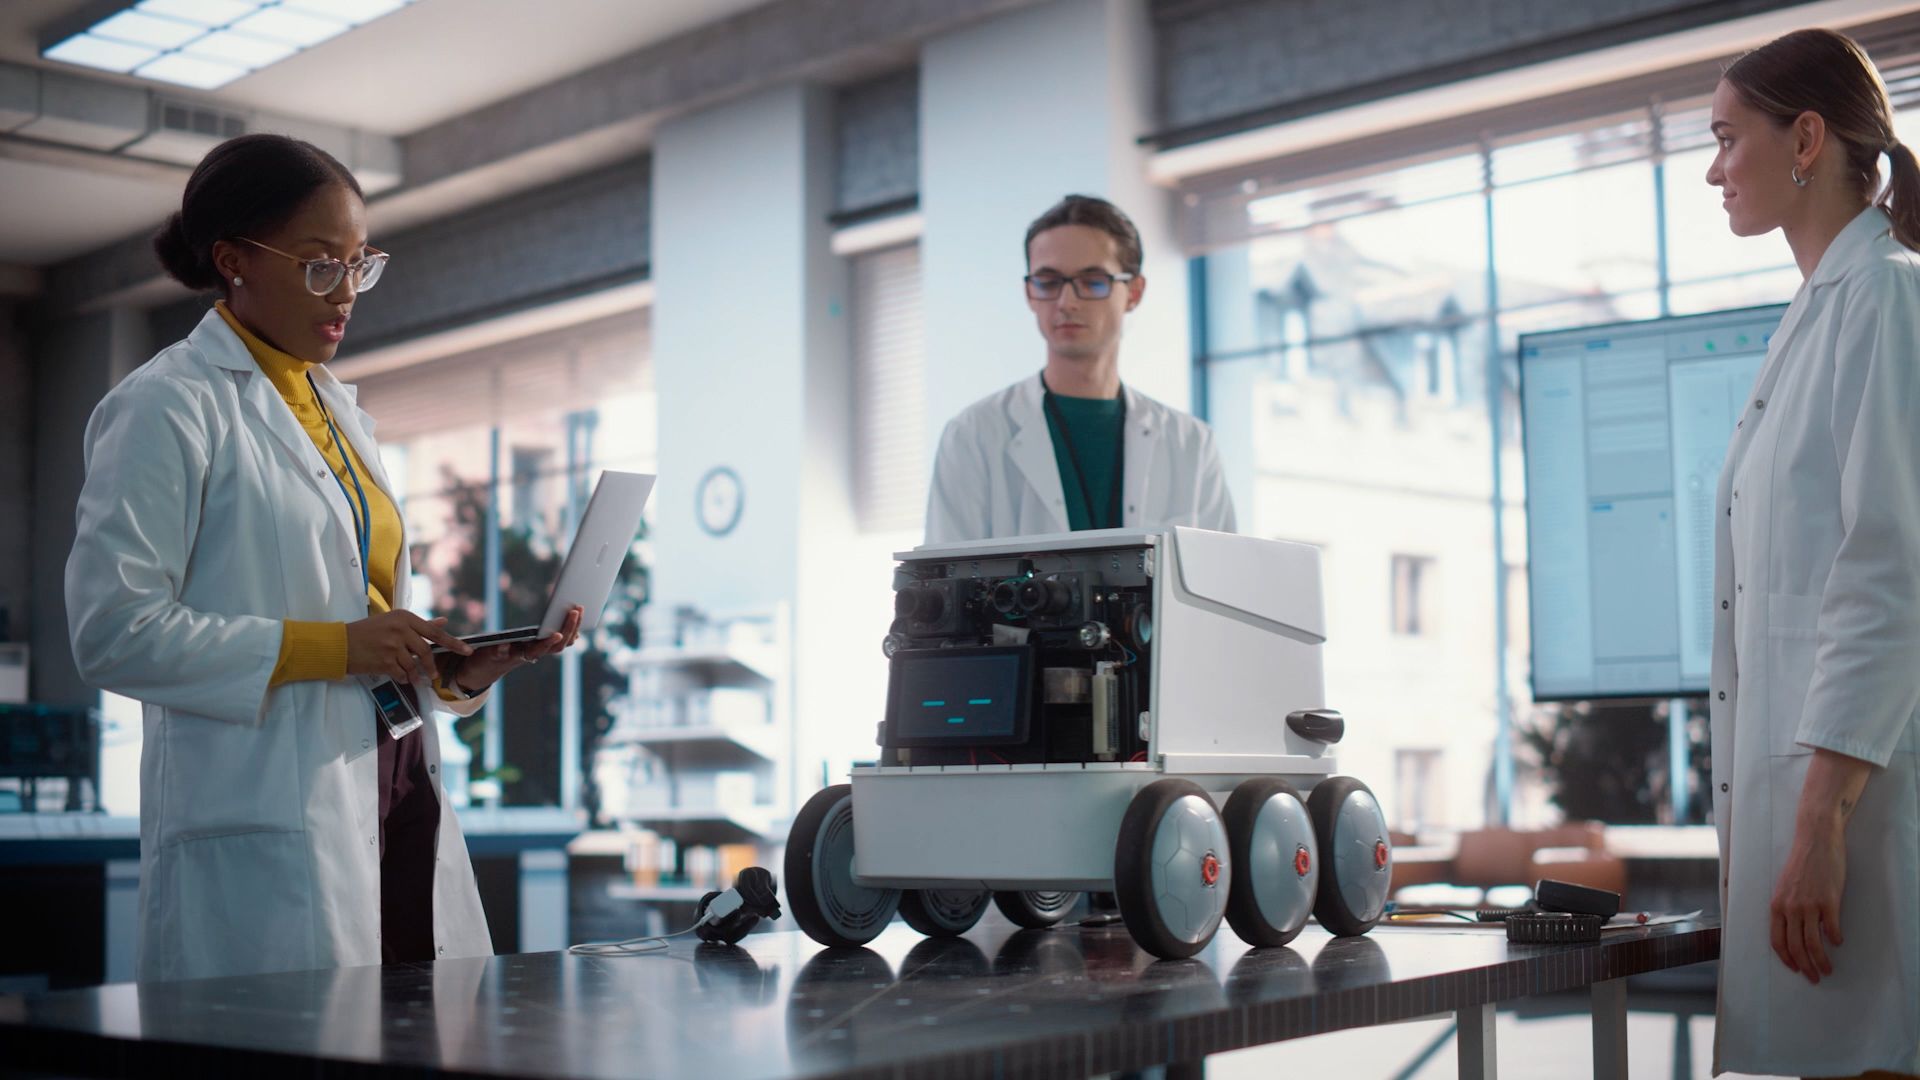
976	696
1626	427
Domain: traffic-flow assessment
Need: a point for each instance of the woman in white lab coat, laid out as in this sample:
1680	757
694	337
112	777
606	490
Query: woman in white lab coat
240	567
1816	668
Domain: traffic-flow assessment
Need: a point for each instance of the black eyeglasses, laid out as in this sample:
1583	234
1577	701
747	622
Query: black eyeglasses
325	275
1089	286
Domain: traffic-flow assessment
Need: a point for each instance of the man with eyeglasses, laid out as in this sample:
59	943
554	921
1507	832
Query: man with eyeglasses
1074	448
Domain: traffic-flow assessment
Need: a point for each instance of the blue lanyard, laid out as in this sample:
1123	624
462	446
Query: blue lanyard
363	533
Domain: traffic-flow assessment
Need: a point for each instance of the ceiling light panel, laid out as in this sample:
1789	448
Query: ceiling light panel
138	28
182	69
206	44
353	11
89	51
293	27
208	13
244	50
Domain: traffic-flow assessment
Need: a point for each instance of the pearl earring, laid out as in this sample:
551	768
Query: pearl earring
237	281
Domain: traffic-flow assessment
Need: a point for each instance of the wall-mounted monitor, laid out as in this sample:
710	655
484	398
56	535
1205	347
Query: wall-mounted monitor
1625	428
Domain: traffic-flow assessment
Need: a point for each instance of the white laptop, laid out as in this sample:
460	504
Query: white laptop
599	547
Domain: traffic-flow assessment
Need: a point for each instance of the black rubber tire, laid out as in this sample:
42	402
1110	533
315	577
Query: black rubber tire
1035	910
803	886
937	916
1243	908
1330	908
1133	868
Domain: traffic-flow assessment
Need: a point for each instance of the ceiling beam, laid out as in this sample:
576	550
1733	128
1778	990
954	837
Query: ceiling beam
601	115
763	47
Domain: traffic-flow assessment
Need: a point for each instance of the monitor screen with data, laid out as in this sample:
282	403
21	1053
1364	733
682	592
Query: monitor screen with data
1625	428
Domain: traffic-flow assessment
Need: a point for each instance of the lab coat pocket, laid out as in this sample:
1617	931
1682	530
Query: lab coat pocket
1792	639
222	779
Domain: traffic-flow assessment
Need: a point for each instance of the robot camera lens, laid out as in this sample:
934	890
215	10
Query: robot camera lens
1006	598
1043	597
918	605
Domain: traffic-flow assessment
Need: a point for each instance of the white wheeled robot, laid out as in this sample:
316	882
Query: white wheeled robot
1140	713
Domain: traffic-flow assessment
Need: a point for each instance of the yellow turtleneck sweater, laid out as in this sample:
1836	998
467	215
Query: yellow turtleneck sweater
318	650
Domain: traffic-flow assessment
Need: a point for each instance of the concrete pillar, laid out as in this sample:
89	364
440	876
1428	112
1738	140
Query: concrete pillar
1014	113
16	473
752	362
76	360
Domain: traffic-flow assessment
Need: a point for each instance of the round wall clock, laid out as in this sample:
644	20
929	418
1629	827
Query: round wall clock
719	500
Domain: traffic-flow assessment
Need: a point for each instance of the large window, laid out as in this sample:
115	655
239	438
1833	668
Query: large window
495	453
1353	324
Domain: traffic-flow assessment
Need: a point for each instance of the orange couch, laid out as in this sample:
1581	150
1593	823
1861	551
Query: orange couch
1575	852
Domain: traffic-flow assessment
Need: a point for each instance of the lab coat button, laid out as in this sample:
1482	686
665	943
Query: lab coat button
1723	695
373	840
1723	605
1759	403
364	743
443	950
1723	789
433	768
353	562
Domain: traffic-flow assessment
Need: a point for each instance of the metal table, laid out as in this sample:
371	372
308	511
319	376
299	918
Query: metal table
1053	1003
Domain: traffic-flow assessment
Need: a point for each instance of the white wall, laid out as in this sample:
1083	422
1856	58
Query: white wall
753	361
730	286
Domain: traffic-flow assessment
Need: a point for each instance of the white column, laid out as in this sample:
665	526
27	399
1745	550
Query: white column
1015	113
752	362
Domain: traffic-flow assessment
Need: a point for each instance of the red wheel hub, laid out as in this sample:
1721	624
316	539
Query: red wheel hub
1302	862
1380	854
1210	869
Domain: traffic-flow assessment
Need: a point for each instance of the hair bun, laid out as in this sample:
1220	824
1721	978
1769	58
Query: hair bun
179	259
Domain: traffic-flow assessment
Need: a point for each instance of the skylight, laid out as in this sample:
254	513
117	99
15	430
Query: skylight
206	44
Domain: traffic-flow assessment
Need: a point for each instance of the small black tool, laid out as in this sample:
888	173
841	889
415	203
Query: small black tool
1550	895
1553	928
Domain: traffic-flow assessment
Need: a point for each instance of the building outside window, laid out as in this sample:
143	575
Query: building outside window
1412	578
1353	321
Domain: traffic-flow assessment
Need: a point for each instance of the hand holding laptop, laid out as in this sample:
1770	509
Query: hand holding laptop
580	592
471	674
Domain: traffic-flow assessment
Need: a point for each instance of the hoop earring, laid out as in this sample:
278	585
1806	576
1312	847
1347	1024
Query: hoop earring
1798	180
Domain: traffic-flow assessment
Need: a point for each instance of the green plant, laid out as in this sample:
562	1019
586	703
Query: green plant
1609	762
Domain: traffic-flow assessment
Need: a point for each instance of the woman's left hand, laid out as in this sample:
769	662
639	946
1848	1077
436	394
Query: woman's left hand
481	670
1806	901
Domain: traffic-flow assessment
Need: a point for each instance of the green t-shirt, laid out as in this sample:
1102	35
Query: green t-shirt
1094	424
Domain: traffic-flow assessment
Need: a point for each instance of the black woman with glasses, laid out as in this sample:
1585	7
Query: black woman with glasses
241	569
1073	448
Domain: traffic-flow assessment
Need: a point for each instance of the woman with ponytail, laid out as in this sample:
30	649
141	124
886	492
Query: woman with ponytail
1816	663
241	569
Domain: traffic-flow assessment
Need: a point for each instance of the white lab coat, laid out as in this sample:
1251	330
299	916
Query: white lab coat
995	474
207	517
1817	644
